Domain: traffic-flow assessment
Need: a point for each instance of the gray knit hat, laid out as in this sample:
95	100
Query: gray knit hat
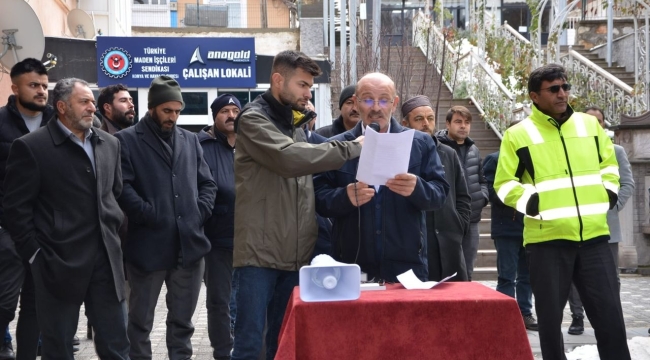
346	93
164	89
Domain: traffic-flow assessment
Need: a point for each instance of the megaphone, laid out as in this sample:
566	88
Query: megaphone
329	280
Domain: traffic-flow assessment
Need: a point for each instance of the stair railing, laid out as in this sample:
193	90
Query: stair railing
466	70
596	86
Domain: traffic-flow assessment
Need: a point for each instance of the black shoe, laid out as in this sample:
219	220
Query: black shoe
7	351
75	349
530	322
577	325
75	340
38	349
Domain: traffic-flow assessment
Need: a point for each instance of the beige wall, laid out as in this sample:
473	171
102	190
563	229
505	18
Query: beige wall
52	15
267	42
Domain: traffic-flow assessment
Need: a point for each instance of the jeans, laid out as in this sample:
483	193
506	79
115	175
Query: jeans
263	294
514	278
233	300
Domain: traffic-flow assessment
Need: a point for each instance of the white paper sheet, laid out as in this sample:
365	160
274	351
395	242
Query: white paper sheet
411	282
383	156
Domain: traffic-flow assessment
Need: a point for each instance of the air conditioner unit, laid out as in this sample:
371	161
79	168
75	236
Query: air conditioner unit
173	6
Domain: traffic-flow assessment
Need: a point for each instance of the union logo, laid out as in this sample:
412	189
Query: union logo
116	63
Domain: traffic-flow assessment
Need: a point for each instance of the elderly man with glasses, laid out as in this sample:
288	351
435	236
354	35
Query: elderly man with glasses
382	227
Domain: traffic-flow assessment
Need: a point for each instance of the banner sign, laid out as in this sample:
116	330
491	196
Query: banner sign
194	62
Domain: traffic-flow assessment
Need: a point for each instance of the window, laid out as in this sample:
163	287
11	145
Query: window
196	103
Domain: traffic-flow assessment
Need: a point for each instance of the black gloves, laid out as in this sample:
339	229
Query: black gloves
532	207
613	199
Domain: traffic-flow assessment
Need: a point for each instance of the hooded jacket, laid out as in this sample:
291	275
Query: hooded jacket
471	162
12	126
275	218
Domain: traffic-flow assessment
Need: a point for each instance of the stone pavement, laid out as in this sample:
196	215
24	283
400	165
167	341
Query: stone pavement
635	298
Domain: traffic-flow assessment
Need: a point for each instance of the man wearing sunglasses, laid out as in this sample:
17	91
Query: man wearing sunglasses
559	168
382	227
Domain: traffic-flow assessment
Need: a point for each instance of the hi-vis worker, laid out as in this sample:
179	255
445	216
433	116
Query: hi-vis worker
559	168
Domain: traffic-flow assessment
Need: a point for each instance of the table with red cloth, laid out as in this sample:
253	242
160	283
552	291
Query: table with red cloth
464	321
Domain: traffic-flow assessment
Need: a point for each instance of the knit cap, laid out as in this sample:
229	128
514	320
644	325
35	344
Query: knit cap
223	100
414	102
164	89
346	93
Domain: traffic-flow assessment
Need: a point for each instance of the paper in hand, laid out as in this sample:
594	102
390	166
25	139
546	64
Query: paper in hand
383	156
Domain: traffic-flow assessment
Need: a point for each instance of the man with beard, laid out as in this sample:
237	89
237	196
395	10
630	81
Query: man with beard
168	196
61	190
218	143
382	227
349	115
117	109
445	227
275	219
26	111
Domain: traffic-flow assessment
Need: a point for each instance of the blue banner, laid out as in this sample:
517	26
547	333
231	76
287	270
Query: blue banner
194	62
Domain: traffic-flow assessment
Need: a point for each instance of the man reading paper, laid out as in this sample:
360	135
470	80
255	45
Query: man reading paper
382	228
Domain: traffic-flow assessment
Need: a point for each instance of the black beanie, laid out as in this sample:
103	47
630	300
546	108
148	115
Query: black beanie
164	89
223	100
346	93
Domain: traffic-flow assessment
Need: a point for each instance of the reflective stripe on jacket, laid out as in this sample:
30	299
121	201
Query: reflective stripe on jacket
570	167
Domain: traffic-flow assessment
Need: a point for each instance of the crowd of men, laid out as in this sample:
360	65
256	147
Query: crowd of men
256	195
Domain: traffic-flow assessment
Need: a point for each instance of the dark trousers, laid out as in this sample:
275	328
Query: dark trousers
470	248
11	278
27	329
218	282
513	276
183	287
58	318
591	267
574	298
263	294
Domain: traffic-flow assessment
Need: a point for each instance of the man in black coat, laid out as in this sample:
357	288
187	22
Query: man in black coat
26	111
349	114
168	196
456	136
61	209
218	143
445	227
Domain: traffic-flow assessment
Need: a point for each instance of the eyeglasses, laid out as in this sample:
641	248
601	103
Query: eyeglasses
371	102
556	88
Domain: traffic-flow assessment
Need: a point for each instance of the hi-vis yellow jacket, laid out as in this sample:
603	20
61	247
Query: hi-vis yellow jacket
568	166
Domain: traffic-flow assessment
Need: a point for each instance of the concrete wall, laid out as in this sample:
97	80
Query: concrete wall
267	41
311	36
594	32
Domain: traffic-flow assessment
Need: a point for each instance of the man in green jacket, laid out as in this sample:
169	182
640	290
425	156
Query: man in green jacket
559	168
275	216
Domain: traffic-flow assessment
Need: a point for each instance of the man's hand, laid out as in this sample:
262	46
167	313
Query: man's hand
359	193
360	139
402	184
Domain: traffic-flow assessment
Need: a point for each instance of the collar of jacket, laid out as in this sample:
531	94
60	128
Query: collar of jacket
338	126
58	136
48	113
206	135
443	136
280	114
538	117
395	128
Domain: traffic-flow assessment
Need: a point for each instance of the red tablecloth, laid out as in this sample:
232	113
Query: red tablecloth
463	321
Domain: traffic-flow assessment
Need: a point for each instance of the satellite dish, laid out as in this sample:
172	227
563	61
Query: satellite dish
22	34
81	24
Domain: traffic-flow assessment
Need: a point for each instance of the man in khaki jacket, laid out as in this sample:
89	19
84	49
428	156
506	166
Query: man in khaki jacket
275	220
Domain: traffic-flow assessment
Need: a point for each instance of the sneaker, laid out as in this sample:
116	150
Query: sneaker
577	325
7	351
530	322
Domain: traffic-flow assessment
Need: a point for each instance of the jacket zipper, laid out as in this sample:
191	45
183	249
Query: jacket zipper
573	186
